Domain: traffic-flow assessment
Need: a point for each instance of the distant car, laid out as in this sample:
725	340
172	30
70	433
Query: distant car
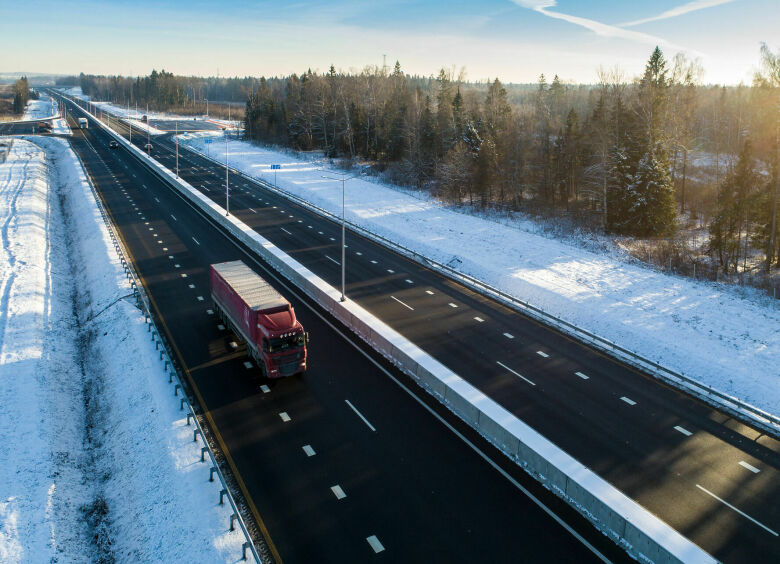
113	144
148	147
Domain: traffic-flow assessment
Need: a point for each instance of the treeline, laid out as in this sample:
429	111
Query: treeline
618	153
164	90
21	95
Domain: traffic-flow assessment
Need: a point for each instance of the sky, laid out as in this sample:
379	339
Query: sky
514	40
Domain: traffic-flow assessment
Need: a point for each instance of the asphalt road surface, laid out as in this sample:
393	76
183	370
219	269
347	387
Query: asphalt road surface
345	464
709	476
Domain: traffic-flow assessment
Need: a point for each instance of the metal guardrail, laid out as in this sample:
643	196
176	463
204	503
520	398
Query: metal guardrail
173	370
756	416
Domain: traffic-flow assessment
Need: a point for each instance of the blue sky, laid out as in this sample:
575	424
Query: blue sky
515	40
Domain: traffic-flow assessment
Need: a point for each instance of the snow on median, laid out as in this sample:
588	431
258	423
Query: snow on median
98	462
723	337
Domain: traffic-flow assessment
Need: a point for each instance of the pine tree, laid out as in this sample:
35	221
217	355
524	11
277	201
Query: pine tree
652	209
735	204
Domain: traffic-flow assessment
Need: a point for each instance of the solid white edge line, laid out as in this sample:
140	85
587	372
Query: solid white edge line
745	515
515	373
403	304
353	408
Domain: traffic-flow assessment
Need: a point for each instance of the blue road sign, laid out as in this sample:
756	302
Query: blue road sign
207	141
276	167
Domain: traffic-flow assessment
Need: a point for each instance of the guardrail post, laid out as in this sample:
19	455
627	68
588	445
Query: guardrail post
211	473
195	434
167	363
203	452
233	518
181	404
244	548
222	494
189	415
176	389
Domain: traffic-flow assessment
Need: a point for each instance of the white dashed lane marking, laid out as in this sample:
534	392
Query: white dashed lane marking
509	335
353	408
629	401
749	467
284	416
338	492
308	450
745	515
504	366
375	544
581	375
402	303
683	430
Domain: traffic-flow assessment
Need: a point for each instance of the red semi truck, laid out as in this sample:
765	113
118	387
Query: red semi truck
260	316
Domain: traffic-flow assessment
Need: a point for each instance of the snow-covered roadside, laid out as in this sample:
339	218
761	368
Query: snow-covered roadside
44	108
724	338
98	460
42	417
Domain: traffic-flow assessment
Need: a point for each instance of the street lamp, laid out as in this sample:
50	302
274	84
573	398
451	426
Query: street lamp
343	180
227	182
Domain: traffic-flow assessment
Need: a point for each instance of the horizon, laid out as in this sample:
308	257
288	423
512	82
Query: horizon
514	40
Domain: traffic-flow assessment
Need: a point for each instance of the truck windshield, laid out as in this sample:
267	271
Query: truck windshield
276	345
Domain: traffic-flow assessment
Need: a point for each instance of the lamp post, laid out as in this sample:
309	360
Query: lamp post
148	151
177	148
227	183
343	180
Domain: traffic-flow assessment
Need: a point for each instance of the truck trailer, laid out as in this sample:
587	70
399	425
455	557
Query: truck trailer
259	316
83	123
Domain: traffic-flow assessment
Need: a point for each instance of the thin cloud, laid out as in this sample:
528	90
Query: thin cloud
600	29
679	11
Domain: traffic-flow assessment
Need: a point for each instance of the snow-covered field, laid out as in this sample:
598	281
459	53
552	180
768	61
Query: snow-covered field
45	107
724	337
97	462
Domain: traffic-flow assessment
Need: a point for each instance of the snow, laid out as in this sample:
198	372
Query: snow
98	462
723	337
40	109
43	108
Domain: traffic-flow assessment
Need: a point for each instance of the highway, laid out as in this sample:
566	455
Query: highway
350	462
712	478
